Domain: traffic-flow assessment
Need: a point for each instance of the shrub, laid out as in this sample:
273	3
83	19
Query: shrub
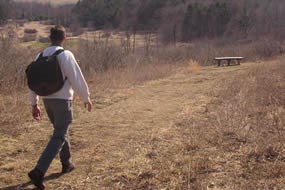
30	31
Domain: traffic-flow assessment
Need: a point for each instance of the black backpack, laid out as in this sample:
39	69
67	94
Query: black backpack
44	75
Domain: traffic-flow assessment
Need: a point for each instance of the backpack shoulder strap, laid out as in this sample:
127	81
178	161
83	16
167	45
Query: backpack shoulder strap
58	52
41	55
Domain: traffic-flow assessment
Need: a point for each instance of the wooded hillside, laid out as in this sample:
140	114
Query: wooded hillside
185	20
174	20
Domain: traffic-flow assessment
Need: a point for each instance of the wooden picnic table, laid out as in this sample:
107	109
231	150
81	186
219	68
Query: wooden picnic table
228	60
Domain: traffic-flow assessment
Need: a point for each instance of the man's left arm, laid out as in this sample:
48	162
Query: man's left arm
75	77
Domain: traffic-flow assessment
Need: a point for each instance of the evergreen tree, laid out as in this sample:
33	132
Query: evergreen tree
5	6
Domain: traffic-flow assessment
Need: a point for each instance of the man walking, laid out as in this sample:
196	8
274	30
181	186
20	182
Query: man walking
59	108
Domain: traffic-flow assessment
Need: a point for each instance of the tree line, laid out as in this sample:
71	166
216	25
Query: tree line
5	8
36	11
186	20
174	20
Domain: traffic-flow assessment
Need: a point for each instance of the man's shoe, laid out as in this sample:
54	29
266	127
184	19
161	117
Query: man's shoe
37	178
66	168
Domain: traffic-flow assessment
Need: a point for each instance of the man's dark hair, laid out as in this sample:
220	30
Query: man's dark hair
57	33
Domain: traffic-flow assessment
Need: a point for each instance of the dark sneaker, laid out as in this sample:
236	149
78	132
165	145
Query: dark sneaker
37	178
66	168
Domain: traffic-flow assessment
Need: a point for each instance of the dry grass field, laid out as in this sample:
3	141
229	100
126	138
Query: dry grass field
160	121
161	127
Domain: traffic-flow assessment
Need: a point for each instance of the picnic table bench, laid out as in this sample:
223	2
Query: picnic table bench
228	60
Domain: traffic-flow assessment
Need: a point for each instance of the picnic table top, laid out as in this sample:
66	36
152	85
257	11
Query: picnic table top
225	58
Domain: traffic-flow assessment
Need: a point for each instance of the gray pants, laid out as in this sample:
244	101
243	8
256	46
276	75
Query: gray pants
60	114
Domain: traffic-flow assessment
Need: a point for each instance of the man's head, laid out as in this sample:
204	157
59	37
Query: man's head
57	34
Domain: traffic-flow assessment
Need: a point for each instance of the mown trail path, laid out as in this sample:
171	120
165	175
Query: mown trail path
127	139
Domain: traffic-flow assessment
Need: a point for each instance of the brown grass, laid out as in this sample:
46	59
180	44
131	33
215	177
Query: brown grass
186	131
240	137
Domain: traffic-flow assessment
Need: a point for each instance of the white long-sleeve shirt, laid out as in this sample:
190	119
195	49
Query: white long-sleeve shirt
75	79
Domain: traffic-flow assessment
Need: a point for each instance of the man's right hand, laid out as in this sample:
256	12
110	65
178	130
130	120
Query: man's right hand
36	112
88	105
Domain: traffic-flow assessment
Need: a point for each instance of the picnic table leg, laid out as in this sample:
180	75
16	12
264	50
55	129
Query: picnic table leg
229	61
219	62
238	61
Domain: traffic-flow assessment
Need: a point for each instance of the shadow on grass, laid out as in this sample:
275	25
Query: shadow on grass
226	65
24	186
